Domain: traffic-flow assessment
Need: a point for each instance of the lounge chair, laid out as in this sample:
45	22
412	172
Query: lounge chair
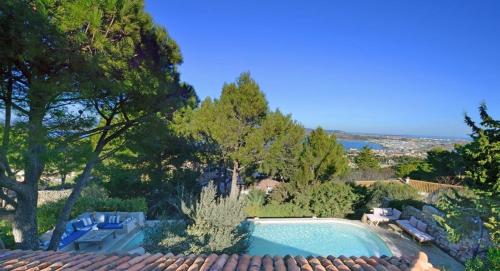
416	228
383	215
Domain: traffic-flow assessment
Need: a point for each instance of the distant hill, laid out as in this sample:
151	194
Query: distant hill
367	136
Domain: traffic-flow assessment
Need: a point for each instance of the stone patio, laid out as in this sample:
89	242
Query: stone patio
110	245
405	246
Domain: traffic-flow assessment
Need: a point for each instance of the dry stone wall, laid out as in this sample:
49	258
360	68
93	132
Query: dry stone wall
463	250
52	195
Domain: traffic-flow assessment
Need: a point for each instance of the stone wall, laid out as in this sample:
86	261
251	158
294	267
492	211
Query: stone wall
463	250
52	195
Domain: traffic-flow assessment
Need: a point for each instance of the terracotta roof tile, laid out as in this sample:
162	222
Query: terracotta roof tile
49	260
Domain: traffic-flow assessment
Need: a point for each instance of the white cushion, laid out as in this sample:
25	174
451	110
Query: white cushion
378	211
100	218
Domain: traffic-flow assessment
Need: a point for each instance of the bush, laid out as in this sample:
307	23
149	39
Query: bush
328	199
6	234
165	236
277	210
332	200
256	197
392	191
399	204
491	262
215	225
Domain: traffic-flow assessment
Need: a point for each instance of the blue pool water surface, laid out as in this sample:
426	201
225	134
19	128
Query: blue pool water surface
358	144
315	238
136	241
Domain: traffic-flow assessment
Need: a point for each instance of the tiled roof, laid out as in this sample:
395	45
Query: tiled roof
52	260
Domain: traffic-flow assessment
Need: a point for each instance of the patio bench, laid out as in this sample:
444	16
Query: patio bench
416	228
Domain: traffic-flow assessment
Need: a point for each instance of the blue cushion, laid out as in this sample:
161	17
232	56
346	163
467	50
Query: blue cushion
70	238
69	228
109	226
79	224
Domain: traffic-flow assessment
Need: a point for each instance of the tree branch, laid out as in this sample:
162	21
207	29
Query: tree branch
7	199
11	184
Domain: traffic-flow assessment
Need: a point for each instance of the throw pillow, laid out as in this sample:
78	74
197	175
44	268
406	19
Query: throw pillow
413	221
421	226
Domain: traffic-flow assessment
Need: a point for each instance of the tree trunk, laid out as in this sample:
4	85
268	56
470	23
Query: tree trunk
24	226
234	181
70	202
63	180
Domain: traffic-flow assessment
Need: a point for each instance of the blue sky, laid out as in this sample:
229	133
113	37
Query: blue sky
395	67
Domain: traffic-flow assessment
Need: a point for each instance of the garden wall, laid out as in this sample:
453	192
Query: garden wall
52	195
463	250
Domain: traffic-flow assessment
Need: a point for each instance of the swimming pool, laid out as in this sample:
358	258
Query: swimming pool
314	237
135	241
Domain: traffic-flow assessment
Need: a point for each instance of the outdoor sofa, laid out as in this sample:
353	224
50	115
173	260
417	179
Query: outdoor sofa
123	222
416	228
383	215
74	229
86	222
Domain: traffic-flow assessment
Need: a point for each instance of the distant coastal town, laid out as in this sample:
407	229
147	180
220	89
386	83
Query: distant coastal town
393	146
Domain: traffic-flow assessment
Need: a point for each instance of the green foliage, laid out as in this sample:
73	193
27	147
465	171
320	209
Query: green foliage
491	262
282	140
214	225
66	158
79	71
399	204
366	159
6	234
332	200
445	163
414	168
256	197
482	155
322	158
328	199
464	208
392	191
229	127
275	209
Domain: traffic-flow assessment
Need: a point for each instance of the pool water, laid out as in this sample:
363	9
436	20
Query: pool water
136	241
315	238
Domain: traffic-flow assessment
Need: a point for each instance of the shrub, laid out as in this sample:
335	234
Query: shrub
6	234
464	208
256	197
215	225
332	200
165	236
328	199
392	191
491	262
277	210
399	204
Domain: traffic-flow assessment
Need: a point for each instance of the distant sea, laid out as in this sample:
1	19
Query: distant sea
358	144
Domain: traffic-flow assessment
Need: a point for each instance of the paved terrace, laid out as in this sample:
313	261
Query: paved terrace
51	260
404	245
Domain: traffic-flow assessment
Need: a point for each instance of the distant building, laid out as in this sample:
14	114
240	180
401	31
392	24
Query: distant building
267	185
